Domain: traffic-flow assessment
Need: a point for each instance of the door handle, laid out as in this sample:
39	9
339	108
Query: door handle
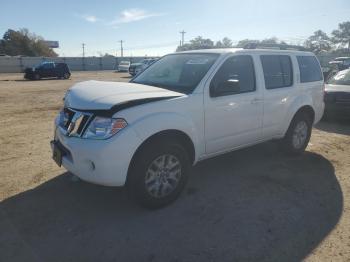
256	101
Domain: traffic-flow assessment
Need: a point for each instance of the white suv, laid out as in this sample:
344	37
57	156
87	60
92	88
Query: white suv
184	108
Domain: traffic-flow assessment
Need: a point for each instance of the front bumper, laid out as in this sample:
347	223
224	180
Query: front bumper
337	109
103	162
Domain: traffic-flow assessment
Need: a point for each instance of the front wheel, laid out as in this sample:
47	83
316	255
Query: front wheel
37	77
298	135
66	75
158	174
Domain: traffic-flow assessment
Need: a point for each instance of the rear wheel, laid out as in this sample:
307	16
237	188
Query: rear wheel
298	134
36	77
158	174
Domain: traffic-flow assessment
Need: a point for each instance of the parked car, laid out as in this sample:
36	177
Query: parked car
337	95
341	63
124	66
137	68
48	70
186	107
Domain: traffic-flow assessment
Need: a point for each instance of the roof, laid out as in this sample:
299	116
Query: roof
243	50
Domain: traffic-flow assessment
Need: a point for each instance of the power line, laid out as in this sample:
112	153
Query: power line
182	37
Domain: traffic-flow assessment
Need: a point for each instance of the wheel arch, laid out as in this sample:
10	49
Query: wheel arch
308	110
175	134
178	135
304	109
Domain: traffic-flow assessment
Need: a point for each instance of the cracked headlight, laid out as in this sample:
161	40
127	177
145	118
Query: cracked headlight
104	128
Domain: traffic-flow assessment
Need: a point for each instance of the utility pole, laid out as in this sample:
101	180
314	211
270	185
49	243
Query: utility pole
83	44
183	37
121	48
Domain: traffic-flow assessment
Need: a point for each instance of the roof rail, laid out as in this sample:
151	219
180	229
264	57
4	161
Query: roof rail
274	46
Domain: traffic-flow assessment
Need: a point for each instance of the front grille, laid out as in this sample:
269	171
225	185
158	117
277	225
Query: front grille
343	97
73	122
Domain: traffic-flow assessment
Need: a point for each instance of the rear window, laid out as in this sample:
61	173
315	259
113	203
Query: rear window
278	71
310	70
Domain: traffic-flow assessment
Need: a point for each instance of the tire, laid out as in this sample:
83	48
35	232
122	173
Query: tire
158	174
298	135
66	76
37	77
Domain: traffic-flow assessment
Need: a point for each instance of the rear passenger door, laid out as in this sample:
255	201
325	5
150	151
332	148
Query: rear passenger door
233	106
279	92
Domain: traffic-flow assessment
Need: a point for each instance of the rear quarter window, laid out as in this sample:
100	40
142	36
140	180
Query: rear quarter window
310	70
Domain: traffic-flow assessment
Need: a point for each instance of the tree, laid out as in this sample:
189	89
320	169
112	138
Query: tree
22	42
342	35
269	41
197	43
225	43
318	42
244	42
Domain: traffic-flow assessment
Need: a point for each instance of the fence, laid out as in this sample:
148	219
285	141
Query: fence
9	64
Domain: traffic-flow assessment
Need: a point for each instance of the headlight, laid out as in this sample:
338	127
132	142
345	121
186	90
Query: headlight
103	128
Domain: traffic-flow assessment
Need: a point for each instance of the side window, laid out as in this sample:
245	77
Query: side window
235	76
48	65
310	70
278	71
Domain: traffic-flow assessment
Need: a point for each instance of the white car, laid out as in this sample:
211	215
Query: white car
184	108
124	66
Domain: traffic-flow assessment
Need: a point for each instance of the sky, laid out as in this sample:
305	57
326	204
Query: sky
152	27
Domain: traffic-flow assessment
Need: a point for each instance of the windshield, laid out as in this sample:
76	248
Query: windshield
177	72
341	78
124	63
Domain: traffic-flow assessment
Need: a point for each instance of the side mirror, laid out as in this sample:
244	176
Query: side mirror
230	86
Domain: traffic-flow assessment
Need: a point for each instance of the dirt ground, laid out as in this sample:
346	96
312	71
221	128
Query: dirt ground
254	204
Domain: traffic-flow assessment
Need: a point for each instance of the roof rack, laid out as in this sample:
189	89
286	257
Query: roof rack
274	46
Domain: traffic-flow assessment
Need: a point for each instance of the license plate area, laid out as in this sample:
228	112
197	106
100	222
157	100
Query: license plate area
57	153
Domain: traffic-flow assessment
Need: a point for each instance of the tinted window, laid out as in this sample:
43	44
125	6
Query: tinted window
48	65
238	69
278	71
310	70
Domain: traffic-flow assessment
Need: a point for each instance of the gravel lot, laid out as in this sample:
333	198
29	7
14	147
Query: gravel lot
250	205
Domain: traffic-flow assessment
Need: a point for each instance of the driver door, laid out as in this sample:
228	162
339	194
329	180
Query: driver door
233	106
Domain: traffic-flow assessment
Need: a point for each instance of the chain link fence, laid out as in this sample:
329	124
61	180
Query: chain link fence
9	64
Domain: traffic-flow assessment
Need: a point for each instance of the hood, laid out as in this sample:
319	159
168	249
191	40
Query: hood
99	95
337	88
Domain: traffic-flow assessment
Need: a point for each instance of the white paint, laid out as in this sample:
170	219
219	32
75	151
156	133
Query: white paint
215	125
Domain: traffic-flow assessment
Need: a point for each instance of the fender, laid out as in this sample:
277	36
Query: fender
151	124
299	102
